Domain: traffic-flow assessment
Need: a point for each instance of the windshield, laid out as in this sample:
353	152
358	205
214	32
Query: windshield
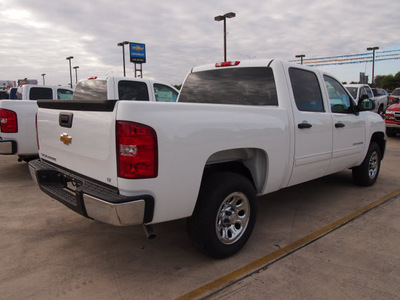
352	91
90	90
241	86
396	92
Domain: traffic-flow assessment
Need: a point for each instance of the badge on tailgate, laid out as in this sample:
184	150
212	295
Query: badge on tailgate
65	138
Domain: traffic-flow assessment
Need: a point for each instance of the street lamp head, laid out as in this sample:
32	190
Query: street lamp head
372	48
125	42
70	57
76	67
300	55
227	15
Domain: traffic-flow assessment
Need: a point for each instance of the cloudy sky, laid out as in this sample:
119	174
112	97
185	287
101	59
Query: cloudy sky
37	36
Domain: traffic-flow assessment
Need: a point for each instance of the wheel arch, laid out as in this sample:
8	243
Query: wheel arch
249	162
379	138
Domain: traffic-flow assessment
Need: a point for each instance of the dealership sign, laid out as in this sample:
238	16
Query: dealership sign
137	52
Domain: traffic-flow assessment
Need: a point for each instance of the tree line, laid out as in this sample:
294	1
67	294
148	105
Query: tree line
387	82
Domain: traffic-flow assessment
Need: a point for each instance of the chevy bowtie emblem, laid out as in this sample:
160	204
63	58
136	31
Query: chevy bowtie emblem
65	138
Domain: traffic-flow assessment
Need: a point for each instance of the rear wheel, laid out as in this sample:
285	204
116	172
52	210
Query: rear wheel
367	173
224	216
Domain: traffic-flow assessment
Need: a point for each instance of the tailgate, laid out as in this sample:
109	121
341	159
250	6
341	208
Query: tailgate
79	136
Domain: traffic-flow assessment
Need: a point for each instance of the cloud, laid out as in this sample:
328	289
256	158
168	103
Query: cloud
179	35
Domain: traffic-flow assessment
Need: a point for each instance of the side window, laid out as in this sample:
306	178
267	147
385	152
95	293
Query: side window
363	92
40	93
339	99
164	93
369	93
63	94
133	90
306	90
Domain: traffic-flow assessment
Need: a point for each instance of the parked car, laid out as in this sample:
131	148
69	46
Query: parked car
392	119
362	91
394	96
380	92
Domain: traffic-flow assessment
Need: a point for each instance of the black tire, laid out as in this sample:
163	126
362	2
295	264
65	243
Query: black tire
381	111
224	216
367	173
391	132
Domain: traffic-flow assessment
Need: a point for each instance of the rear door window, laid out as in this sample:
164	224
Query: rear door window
306	90
164	93
63	94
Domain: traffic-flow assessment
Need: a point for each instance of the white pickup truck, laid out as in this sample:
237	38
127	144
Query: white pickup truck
17	131
239	130
364	91
17	134
124	88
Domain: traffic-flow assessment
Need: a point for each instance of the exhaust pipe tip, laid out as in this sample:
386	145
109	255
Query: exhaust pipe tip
148	229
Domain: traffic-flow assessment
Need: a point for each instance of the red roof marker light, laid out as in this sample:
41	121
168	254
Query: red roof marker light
227	64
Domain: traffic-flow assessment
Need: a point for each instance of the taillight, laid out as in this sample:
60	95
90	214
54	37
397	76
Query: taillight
8	121
137	150
390	98
227	64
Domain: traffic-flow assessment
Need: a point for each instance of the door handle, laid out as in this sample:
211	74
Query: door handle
339	125
304	125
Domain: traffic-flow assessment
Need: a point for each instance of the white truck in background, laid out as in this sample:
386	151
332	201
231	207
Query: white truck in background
17	134
364	91
17	130
124	88
239	130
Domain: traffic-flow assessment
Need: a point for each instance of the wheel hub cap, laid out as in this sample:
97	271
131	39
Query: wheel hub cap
233	218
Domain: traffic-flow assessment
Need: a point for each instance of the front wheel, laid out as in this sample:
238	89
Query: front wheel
367	173
224	216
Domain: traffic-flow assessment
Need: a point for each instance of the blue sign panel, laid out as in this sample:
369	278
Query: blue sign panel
137	52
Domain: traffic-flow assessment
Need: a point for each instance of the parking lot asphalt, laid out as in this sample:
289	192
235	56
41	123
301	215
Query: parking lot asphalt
49	252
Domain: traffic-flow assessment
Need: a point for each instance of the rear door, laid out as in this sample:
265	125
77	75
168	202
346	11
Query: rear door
313	127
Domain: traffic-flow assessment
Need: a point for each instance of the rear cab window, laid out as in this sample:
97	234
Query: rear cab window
36	93
240	86
90	90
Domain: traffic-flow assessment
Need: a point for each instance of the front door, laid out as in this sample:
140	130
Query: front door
348	127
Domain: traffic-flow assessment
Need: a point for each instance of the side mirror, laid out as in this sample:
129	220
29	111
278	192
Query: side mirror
363	97
366	104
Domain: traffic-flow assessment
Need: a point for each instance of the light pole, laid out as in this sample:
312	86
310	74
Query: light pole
223	18
76	73
70	70
43	78
122	44
301	56
373	60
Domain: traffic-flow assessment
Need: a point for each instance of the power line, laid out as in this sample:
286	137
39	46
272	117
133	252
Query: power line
350	58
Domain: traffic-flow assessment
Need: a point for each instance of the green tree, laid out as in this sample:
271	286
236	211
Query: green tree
388	83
